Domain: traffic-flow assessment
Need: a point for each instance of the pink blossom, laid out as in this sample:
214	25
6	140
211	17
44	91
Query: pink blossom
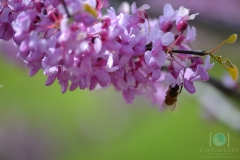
81	48
166	21
182	18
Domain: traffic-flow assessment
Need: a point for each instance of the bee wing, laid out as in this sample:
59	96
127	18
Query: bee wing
164	105
172	107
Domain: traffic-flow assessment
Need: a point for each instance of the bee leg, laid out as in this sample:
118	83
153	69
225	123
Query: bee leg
180	89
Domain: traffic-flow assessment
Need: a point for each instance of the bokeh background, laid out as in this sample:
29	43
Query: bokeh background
41	123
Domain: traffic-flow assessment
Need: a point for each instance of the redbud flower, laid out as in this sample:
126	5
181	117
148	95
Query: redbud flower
73	43
166	21
200	74
182	17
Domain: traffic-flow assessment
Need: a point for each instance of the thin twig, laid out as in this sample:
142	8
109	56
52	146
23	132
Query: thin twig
65	7
194	52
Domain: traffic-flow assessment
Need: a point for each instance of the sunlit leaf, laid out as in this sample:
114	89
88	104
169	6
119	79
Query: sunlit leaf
231	68
232	38
233	72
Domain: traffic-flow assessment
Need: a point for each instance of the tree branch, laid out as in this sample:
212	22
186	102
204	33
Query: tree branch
194	52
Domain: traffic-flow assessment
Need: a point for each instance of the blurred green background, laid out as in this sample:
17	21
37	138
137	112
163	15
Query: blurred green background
39	122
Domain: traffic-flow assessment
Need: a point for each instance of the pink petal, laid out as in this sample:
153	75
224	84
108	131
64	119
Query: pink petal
8	33
119	74
113	45
156	50
110	61
55	56
139	77
191	34
122	84
162	21
73	86
97	45
144	7
102	76
112	13
147	57
188	74
68	60
63	74
99	4
207	64
124	8
34	68
167	38
134	7
24	49
124	60
130	80
128	95
127	50
193	16
50	79
168	11
152	86
202	72
36	56
189	87
86	65
93	83
154	34
4	14
64	85
33	71
156	74
169	79
161	59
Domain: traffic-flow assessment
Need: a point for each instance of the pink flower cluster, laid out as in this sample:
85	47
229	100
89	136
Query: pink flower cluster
72	41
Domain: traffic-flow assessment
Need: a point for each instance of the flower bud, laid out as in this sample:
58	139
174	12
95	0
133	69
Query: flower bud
167	27
182	25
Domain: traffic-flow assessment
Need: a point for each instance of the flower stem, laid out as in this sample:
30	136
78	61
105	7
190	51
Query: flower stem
65	7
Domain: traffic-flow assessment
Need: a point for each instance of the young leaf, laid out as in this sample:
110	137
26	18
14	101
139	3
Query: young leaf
232	38
231	68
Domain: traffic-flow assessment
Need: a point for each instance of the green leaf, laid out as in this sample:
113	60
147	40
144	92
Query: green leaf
232	38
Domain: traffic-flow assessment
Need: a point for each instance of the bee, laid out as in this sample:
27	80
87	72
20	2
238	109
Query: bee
171	97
